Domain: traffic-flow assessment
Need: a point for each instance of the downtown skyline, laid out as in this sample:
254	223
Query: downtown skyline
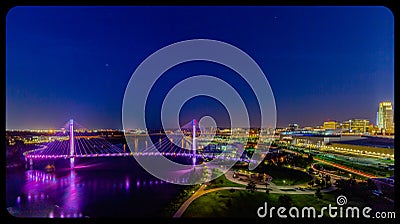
322	63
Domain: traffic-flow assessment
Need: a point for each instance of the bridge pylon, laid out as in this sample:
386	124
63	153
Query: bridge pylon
194	147
71	143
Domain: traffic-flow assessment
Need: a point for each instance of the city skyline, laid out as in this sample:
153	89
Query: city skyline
321	62
320	125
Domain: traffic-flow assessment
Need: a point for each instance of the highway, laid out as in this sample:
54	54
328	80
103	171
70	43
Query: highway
338	166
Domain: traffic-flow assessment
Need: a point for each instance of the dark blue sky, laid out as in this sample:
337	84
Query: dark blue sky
75	62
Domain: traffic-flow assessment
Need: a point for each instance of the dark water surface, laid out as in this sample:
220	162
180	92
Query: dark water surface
97	187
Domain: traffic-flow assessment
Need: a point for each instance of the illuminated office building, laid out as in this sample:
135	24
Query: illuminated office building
355	126
330	125
385	117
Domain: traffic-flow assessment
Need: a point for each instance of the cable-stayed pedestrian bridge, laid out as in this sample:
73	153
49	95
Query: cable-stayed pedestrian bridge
71	144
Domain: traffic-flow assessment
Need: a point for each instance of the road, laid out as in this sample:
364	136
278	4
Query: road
338	166
345	168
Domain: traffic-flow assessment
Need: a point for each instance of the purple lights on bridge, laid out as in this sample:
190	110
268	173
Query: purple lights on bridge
183	154
81	146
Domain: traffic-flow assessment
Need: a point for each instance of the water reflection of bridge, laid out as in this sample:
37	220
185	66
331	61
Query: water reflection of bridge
63	194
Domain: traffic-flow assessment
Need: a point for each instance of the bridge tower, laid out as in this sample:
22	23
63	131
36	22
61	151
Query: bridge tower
194	141
71	142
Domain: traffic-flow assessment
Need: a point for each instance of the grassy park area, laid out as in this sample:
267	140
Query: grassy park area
221	181
286	176
242	203
180	199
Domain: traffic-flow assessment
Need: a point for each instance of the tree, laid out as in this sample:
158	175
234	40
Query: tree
318	193
340	184
323	183
204	174
251	186
285	201
267	191
352	181
328	179
317	181
266	188
215	173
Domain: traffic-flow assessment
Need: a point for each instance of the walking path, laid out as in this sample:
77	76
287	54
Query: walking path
275	188
229	175
200	192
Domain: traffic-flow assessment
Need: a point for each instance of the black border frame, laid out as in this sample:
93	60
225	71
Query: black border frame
6	5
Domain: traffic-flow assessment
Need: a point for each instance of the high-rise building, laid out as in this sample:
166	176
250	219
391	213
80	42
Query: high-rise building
359	125
330	125
385	117
355	126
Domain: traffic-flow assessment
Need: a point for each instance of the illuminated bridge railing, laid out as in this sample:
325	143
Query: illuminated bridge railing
81	144
202	155
99	147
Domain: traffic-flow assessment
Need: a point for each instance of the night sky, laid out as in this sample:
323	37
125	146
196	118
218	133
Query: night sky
75	62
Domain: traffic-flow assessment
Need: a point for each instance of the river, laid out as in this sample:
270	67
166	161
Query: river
97	187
